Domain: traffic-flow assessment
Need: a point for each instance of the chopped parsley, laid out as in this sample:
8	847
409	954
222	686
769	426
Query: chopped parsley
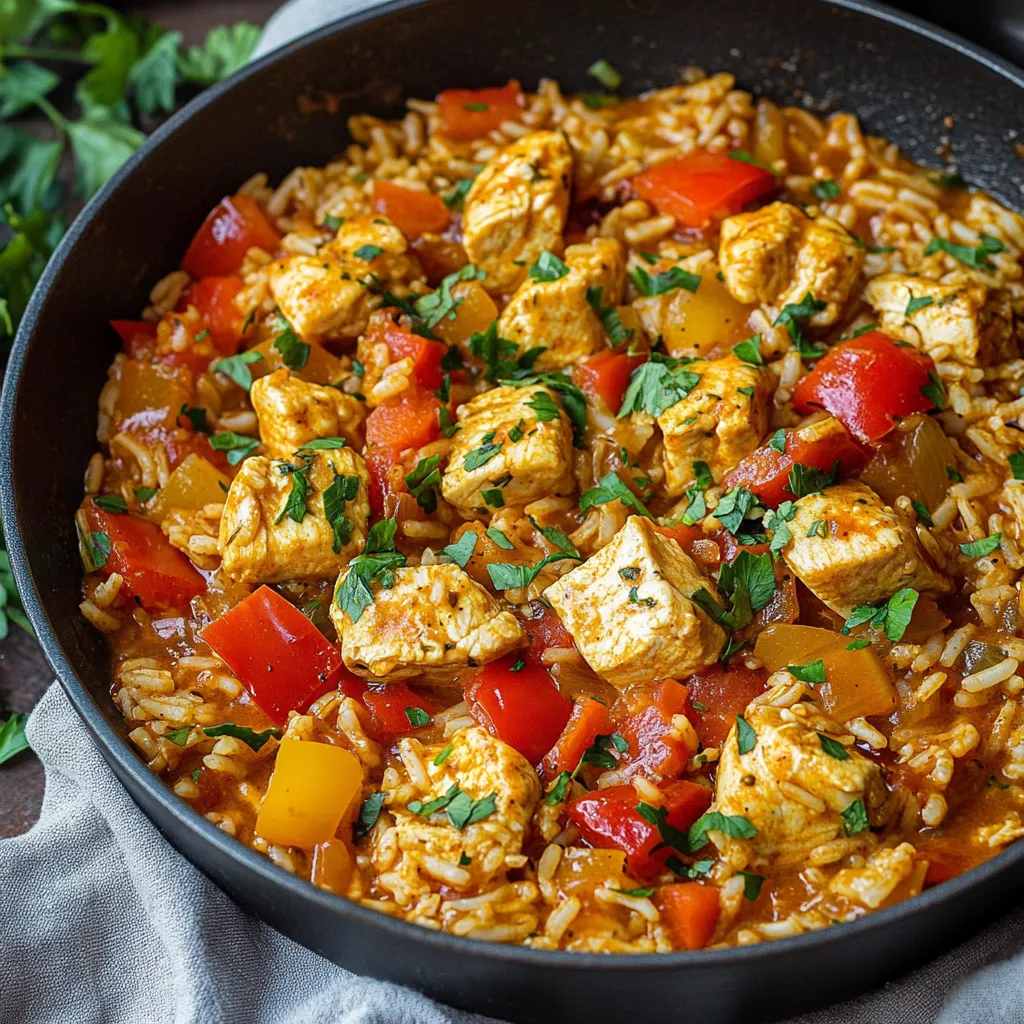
751	884
734	507
493	497
548	268
804	480
657	385
976	256
444	420
733	825
462	550
855	818
369	813
825	190
499	538
983	547
661	284
923	515
609	316
573	400
607	75
509	576
748	583
237	446
293	350
240	732
343	489
954	475
295	507
934	390
435	306
635	598
748	158
749	351
236	368
424	481
858	644
417	717
777	522
833	747
179	737
813	672
443	756
481	456
111	503
746	738
892	616
543	406
196	415
611	488
144	494
367	252
377	562
921	302
793	315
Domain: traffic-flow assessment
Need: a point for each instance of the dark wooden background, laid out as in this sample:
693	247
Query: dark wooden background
24	673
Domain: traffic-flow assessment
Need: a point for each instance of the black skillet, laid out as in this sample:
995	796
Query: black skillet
902	77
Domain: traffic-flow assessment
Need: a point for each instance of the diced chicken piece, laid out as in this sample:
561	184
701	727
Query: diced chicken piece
293	412
434	622
325	297
260	542
432	851
867	553
720	421
988	217
516	208
778	254
967	322
877	880
788	787
515	440
556	314
630	612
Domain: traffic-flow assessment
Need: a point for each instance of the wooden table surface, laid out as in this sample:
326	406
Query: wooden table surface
24	673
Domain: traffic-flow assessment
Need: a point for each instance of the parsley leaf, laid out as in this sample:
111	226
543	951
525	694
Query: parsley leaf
733	825
544	406
342	490
749	351
935	390
833	747
294	351
508	576
983	547
548	268
804	480
456	198
1016	461
417	717
607	75
236	368
825	190
657	385
746	738
462	550
437	305
919	303
369	813
609	317
793	315
976	256
111	503
611	488
424	481
662	284
855	818
480	456
892	616
813	672
295	507
377	562
240	732
237	446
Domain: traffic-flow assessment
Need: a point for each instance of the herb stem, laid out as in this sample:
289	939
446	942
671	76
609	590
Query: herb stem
34	53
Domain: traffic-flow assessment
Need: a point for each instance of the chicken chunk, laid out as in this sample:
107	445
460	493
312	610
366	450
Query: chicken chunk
630	612
516	208
874	882
292	413
867	553
789	787
325	297
556	314
481	778
720	421
968	322
271	532
514	440
777	255
434	622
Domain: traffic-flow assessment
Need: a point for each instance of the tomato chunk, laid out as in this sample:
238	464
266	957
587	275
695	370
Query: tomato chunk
868	383
411	211
717	695
690	909
589	720
155	573
608	819
605	376
214	297
702	187
278	655
426	355
471	113
545	629
522	708
765	472
388	705
409	420
233	226
653	749
128	330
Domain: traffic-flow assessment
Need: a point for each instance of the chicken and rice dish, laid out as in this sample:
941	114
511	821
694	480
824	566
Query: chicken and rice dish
586	522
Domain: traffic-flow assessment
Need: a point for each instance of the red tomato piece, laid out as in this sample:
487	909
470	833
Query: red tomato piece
409	420
606	376
131	329
723	692
211	790
868	383
589	720
472	113
545	629
387	707
943	865
686	536
765	472
608	819
214	297
653	751
155	573
233	226
690	909
278	655
413	212
523	709
387	480
426	355
703	187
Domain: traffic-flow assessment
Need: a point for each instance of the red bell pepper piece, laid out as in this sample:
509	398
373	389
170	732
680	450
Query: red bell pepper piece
545	629
868	383
468	114
702	187
411	211
684	536
653	750
691	910
605	376
589	720
233	226
278	655
409	420
155	573
214	298
765	472
717	695
523	709
128	330
426	355
608	819
388	705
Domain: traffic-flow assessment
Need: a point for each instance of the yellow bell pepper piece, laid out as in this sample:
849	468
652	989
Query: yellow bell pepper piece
312	787
195	484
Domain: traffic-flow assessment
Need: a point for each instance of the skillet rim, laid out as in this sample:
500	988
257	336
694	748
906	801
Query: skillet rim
244	859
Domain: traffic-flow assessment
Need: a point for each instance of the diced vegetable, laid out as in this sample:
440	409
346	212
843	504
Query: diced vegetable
691	910
409	420
522	707
608	818
912	461
545	629
194	484
440	257
322	367
278	655
589	719
693	323
149	395
128	330
468	114
474	314
703	187
155	573
784	645
581	869
654	750
765	472
332	866
426	355
413	212
233	226
868	383
605	376
388	706
312	787
214	297
717	695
